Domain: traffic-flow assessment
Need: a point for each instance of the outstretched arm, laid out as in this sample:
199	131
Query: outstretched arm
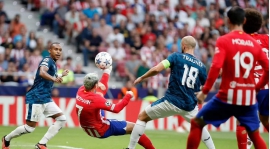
115	108
152	72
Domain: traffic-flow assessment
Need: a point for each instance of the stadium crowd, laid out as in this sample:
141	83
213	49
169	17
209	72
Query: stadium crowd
137	33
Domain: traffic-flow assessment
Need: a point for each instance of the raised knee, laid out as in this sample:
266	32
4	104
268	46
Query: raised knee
29	129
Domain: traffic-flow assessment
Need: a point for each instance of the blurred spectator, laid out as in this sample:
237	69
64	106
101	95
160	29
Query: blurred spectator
128	87
8	77
16	25
55	92
26	77
91	11
117	52
78	69
2	12
59	22
71	17
3	62
88	52
115	35
18	52
136	45
104	30
69	79
34	60
141	70
69	63
150	96
31	41
146	52
4	28
45	51
131	65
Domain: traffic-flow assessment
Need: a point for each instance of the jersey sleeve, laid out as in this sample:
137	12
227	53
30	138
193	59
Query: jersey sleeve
170	60
217	64
264	62
109	106
45	62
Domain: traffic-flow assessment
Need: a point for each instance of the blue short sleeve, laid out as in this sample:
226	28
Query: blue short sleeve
45	62
171	58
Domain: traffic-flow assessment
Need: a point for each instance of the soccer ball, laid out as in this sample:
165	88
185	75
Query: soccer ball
103	60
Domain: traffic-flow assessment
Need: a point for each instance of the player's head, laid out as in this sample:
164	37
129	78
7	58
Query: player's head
236	16
55	50
90	81
254	20
188	43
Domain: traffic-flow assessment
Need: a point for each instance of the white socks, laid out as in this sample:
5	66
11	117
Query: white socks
137	132
54	129
206	139
24	129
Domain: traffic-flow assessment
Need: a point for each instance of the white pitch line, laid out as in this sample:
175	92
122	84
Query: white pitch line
55	146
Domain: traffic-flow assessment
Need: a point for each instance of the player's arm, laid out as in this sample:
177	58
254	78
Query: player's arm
43	71
154	71
216	66
264	62
115	108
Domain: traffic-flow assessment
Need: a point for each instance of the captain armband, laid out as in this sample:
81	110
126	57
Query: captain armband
166	63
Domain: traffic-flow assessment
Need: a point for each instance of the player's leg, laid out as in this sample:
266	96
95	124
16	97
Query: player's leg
209	114
205	137
104	80
158	109
263	105
33	113
248	117
52	110
243	141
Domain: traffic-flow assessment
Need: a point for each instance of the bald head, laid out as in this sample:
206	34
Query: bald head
188	42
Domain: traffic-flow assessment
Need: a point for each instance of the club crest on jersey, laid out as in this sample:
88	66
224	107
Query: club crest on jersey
233	84
107	103
46	59
216	50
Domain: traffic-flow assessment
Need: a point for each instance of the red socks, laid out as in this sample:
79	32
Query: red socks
241	135
257	140
145	142
194	137
104	80
267	127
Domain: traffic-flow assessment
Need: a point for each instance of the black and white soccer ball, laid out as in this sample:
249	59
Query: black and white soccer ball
103	60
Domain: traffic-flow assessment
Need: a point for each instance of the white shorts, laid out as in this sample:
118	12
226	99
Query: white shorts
35	111
166	109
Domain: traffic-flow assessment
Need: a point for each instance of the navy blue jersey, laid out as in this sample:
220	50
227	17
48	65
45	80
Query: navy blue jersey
40	92
187	75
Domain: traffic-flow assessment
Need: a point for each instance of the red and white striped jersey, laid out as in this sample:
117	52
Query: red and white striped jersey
88	106
81	5
263	40
237	54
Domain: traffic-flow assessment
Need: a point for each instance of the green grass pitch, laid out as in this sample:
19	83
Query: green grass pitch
75	138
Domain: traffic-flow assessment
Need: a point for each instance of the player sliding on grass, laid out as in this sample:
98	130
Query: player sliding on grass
254	21
38	100
90	102
236	53
187	75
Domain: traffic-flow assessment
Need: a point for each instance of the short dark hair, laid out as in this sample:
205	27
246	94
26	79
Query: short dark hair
254	20
236	15
52	44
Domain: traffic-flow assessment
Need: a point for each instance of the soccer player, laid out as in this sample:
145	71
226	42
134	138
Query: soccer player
254	21
236	53
90	102
38	100
187	75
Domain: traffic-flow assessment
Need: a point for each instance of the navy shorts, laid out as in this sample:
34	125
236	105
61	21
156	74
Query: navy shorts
263	102
216	112
117	128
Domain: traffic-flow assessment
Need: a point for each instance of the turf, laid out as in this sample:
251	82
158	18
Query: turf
75	138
